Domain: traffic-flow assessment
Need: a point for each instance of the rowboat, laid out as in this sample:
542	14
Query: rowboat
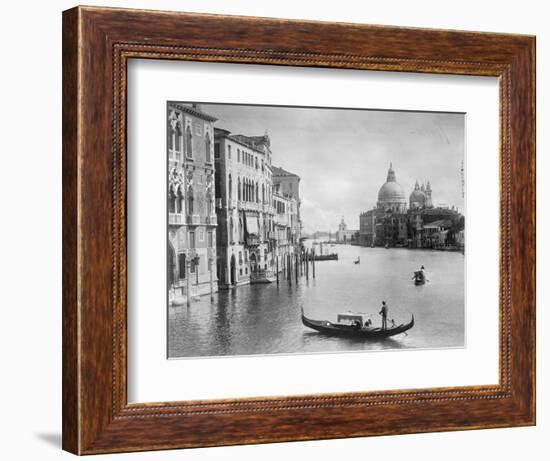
341	328
419	278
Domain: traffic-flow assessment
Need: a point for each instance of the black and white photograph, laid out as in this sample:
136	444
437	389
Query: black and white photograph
313	230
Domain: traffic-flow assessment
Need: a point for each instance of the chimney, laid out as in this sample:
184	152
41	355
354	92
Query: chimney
197	106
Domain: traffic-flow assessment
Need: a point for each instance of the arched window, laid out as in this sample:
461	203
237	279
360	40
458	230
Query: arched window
209	205
190	200
188	142
174	141
241	233
239	188
180	200
230	189
171	201
208	148
231	229
263	193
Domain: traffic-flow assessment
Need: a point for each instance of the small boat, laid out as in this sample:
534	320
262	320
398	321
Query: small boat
329	257
419	278
386	246
357	261
348	325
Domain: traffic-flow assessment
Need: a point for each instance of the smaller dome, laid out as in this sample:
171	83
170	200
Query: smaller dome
417	198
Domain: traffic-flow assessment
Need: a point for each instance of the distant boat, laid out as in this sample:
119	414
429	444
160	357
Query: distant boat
354	330
357	261
386	246
329	257
419	278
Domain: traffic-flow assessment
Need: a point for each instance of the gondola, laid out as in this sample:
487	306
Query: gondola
419	278
342	329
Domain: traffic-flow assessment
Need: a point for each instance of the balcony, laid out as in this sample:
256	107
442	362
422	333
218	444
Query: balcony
252	240
176	219
253	206
194	220
212	220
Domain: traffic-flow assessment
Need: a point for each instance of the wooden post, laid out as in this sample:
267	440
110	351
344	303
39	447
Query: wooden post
289	268
188	281
277	267
296	268
313	263
307	264
211	282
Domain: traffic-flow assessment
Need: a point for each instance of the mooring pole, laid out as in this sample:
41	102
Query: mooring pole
211	282
307	264
188	283
313	263
296	266
277	268
289	269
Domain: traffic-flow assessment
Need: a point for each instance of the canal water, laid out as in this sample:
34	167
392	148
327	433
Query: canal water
265	319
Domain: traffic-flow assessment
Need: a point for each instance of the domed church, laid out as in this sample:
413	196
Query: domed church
391	196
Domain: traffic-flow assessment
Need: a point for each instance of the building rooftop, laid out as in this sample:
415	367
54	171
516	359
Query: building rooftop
439	223
281	172
192	110
246	141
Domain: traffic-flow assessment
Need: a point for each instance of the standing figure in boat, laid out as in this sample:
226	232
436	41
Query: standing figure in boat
384	313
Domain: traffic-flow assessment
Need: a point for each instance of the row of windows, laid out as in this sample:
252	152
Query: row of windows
243	157
176	141
176	202
191	238
253	255
280	207
249	190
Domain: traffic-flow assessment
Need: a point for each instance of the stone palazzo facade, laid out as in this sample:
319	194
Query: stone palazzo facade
233	217
419	225
192	217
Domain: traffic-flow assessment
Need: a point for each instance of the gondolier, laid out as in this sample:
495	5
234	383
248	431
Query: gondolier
384	313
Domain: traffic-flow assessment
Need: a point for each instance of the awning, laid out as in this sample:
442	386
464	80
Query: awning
252	225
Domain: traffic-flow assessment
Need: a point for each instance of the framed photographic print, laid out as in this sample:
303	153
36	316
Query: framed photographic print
284	230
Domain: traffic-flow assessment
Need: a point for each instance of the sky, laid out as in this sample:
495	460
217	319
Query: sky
342	155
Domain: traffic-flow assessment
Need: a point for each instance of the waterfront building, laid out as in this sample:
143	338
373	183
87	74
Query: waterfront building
191	212
421	225
244	208
288	184
285	221
345	235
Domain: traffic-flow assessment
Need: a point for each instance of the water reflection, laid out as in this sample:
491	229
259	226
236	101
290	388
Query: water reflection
265	319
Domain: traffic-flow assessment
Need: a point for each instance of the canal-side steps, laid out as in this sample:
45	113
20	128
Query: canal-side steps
178	297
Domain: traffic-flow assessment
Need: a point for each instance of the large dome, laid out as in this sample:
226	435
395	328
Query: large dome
391	192
391	195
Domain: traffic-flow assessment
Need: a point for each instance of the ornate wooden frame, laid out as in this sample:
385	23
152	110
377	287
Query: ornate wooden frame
97	43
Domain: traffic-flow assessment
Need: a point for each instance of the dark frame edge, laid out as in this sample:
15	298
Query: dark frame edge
70	174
